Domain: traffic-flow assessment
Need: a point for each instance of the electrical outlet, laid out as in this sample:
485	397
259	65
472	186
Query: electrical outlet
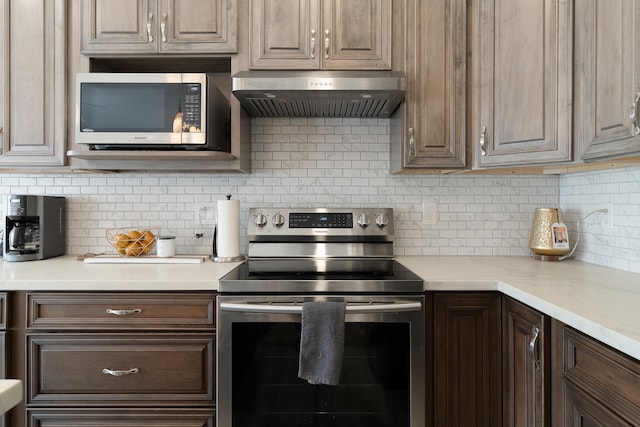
607	218
204	214
429	213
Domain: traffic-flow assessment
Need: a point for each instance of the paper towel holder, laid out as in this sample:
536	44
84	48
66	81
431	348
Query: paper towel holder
214	253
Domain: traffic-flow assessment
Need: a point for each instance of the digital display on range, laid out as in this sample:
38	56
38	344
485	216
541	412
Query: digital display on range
320	220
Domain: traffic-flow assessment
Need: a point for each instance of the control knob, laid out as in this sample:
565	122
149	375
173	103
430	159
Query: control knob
260	220
364	221
278	220
382	220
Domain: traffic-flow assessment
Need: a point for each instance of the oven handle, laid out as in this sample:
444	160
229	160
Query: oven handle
293	309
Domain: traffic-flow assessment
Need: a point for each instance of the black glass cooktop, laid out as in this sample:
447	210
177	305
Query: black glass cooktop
321	276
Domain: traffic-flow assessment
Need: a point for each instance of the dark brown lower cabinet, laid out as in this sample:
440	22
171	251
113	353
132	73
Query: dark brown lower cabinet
526	366
592	384
467	362
115	359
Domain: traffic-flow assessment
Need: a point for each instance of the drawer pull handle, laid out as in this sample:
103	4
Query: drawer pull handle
120	373
123	312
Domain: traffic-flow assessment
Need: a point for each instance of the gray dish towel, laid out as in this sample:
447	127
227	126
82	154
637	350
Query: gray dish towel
322	342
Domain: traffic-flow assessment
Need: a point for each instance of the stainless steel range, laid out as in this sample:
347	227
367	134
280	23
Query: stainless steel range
329	255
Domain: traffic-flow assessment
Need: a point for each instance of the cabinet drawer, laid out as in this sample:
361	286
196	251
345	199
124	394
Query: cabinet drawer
3	310
122	418
125	368
120	311
606	374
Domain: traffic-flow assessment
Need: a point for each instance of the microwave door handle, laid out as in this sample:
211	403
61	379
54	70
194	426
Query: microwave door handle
392	307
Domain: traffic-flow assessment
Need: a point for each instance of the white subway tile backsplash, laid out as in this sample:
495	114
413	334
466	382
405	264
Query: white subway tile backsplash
616	246
308	162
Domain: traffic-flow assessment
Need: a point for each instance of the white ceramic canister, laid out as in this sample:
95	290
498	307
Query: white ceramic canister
166	246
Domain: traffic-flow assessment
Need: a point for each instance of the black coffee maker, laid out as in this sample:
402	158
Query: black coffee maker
34	228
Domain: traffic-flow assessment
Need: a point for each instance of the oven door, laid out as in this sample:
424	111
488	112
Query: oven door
382	383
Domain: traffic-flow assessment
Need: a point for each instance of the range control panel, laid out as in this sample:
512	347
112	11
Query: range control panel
363	222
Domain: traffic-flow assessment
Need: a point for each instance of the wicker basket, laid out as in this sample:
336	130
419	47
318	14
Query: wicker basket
136	241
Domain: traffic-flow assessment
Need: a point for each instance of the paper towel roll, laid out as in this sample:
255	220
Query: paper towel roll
228	229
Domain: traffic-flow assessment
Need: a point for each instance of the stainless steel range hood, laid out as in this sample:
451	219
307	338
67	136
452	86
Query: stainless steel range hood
319	93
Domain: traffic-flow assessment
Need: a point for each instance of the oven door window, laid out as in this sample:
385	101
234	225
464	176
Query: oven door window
374	389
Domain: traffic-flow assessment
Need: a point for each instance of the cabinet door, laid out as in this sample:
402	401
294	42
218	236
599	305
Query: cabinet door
593	384
432	132
356	34
124	27
525	365
467	362
119	26
321	34
608	77
34	89
197	26
522	82
285	34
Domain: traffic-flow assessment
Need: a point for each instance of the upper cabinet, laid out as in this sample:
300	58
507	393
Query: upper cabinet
321	34
521	82
134	27
432	121
608	78
32	82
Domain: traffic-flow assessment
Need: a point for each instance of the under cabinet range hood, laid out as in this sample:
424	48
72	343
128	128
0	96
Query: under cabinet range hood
373	94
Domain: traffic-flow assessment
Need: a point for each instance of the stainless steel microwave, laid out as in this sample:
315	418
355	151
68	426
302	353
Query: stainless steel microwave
146	111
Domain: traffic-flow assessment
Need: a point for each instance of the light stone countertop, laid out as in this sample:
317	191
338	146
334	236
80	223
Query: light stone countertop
601	302
10	394
66	273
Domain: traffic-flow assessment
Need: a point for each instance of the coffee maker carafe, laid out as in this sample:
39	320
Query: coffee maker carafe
34	228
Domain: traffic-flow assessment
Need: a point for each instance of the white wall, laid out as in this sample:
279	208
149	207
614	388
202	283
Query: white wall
331	163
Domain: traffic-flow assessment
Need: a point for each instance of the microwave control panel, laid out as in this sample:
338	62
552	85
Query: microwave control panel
191	101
